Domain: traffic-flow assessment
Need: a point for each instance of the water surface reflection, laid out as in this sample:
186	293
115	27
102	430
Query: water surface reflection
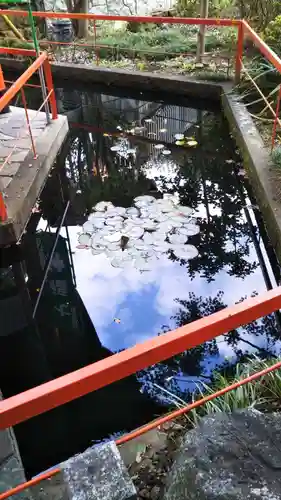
67	299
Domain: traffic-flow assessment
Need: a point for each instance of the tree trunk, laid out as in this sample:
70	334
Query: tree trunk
204	9
83	25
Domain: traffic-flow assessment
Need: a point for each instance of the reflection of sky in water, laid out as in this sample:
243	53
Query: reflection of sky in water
145	302
148	303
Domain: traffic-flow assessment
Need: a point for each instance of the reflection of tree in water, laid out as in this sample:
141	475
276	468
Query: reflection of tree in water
209	182
194	363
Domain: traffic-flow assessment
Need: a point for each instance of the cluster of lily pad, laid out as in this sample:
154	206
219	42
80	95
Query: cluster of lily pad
137	236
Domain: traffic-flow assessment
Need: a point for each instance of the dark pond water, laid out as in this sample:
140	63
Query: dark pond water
63	307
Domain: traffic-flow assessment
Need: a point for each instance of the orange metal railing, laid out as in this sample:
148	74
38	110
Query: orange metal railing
246	30
90	378
14	89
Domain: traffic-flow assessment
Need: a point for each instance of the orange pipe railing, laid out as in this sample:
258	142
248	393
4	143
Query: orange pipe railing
138	19
92	377
19	83
13	90
152	425
76	384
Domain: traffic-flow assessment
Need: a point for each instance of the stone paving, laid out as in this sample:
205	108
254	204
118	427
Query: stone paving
14	132
23	176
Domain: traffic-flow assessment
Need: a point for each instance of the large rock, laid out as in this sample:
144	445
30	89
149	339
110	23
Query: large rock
229	457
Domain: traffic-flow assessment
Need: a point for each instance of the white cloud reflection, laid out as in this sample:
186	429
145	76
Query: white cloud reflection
145	302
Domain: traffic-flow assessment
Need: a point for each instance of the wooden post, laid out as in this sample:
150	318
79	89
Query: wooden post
204	10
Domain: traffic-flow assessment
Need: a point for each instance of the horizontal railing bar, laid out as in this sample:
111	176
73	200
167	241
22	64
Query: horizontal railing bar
139	19
92	377
152	425
15	51
19	83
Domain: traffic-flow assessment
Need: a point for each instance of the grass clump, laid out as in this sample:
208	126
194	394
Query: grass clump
263	394
276	156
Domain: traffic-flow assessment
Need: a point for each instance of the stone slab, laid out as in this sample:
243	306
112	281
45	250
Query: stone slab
11	467
23	177
235	456
98	474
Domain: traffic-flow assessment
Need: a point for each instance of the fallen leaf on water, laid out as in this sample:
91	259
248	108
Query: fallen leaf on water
192	143
229	161
81	246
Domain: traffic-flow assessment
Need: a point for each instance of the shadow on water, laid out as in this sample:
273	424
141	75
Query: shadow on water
59	303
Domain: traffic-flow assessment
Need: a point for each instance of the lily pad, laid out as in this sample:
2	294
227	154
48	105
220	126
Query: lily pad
177	239
185	252
114	237
132	211
88	227
98	223
179	137
136	232
102	206
184	210
189	229
84	239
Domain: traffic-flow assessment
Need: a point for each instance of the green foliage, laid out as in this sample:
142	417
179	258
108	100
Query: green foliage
158	43
264	393
15	43
276	156
191	8
272	34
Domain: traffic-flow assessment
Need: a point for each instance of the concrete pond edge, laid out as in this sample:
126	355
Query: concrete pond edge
257	163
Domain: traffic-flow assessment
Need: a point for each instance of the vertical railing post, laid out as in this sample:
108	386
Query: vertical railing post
50	87
28	123
276	119
3	209
239	53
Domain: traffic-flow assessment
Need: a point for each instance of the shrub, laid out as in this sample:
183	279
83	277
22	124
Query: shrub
272	34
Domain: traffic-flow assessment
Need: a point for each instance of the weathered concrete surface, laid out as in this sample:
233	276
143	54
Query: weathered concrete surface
229	457
98	474
258	164
11	468
23	177
142	80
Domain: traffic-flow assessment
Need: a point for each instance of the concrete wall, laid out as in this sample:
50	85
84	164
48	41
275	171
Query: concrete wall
11	467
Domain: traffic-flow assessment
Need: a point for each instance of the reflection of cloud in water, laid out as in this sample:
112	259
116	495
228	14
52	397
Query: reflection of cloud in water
146	302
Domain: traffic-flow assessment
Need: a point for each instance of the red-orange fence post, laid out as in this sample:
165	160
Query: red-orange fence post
239	53
3	210
276	119
50	87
